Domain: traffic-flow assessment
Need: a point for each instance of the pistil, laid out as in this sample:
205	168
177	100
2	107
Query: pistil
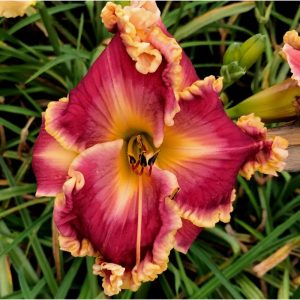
139	222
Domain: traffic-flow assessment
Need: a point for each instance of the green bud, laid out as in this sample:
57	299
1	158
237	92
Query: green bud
251	50
280	102
233	53
231	73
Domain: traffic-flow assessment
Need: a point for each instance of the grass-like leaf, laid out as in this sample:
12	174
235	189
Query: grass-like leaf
212	16
254	253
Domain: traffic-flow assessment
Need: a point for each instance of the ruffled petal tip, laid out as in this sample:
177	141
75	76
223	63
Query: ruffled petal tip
53	115
50	164
75	247
63	204
113	276
56	126
133	22
146	40
291	50
271	153
200	87
209	217
172	53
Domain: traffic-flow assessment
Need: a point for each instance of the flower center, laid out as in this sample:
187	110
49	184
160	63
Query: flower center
141	154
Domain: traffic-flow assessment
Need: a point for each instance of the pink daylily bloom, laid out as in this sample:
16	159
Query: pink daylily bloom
13	9
141	154
291	49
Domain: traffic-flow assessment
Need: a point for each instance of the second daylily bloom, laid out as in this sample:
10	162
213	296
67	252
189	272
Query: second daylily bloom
133	176
291	50
13	9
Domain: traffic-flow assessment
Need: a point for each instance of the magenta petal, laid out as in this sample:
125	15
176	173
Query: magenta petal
189	75
293	58
50	164
112	101
186	235
291	49
205	150
271	151
179	72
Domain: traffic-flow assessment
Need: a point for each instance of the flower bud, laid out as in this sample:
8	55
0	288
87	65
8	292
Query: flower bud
251	50
238	58
233	53
231	73
278	103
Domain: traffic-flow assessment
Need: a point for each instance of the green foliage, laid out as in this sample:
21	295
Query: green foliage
42	57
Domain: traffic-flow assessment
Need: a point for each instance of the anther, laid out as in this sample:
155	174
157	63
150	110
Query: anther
152	159
143	160
174	194
131	160
139	150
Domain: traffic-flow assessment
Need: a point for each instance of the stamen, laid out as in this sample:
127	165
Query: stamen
139	222
152	160
143	160
139	150
141	172
131	159
174	193
150	170
134	167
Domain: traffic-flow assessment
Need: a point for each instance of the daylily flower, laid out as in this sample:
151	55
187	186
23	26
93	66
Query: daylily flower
291	50
12	9
133	176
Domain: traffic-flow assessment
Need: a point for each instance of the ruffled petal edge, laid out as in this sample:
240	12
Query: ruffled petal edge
271	153
210	218
291	51
150	267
